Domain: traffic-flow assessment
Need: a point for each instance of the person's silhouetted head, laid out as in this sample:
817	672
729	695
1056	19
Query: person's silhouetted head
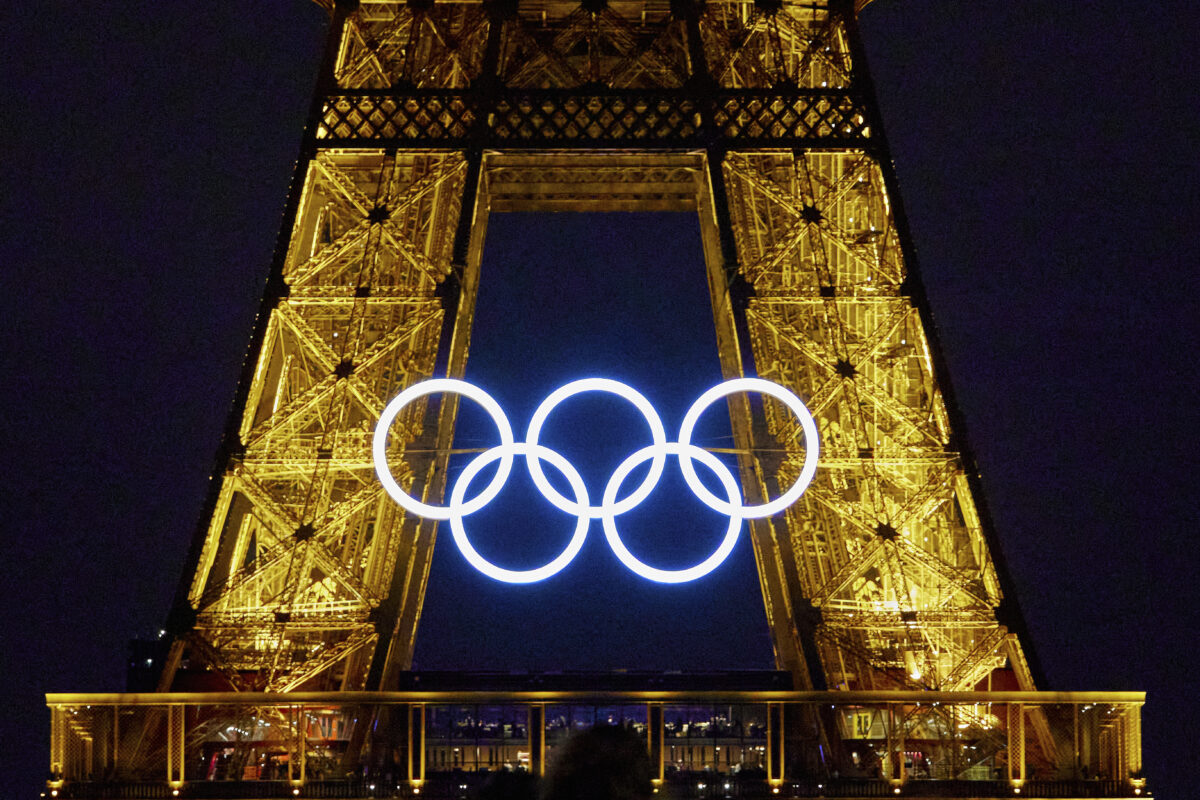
601	763
508	786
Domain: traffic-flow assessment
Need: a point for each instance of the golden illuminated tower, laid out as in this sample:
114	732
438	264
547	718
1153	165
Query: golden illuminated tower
757	115
884	592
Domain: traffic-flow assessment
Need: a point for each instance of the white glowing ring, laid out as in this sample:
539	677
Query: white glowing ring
793	404
657	435
434	386
610	508
685	452
531	452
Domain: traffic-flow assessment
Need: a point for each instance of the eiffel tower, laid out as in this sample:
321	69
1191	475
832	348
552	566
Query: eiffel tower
758	116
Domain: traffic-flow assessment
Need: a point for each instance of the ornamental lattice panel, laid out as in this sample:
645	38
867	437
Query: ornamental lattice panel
759	117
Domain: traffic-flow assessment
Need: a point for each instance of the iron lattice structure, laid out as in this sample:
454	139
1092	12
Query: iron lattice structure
760	117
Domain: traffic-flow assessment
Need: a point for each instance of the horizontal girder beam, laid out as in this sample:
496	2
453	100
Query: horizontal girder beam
619	118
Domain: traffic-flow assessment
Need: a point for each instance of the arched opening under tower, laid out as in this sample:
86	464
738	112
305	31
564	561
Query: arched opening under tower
561	298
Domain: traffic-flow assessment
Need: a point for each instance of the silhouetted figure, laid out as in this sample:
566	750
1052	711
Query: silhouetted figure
506	785
601	763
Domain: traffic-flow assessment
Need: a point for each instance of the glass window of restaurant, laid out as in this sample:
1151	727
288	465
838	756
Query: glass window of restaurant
726	738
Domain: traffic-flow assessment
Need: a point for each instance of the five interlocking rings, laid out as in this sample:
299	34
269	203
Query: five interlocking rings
610	506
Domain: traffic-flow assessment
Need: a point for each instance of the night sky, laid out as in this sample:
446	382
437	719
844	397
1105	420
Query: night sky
1046	153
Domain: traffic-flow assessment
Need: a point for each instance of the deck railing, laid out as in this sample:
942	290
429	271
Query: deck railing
719	744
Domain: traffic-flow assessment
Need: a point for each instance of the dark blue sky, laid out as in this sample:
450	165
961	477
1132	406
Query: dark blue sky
1047	158
560	298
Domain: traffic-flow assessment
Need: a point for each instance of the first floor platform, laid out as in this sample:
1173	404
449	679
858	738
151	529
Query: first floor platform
708	744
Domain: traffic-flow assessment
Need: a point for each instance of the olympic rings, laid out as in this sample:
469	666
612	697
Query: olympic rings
657	435
609	519
610	506
534	452
793	404
379	446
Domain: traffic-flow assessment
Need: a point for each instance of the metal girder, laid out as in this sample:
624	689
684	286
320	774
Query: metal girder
301	549
656	119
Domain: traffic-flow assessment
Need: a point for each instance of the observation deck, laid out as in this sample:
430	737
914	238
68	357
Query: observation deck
705	744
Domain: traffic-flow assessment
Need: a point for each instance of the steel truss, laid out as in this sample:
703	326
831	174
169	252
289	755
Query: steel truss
760	117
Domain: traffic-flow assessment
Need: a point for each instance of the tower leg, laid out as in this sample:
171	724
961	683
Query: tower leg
729	297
